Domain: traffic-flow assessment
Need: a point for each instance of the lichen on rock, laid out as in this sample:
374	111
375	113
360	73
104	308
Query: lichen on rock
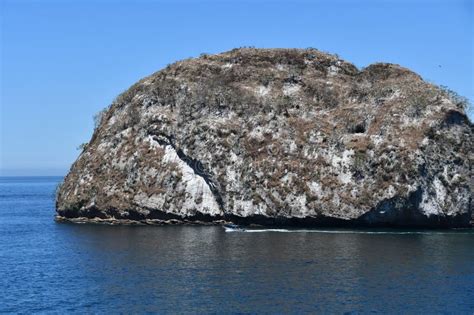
277	137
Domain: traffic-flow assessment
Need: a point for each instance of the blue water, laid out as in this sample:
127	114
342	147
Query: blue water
50	267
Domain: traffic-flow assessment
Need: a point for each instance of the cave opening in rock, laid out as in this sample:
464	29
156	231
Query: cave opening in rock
359	128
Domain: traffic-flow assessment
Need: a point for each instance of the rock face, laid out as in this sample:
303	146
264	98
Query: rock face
277	137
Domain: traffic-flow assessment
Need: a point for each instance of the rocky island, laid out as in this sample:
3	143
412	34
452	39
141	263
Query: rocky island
293	137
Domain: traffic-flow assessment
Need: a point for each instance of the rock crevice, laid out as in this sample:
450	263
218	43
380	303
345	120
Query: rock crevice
196	165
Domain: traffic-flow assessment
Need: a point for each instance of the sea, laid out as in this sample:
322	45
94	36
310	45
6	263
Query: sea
57	268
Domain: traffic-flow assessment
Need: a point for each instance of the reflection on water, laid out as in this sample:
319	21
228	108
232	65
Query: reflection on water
92	268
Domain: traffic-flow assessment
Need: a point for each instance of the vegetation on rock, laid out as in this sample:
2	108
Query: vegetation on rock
278	136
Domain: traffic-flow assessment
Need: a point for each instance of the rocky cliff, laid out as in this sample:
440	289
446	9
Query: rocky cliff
277	137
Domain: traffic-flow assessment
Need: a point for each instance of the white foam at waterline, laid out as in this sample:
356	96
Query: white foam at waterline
338	231
227	229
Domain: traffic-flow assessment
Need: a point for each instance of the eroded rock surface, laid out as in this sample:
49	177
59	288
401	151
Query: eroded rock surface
277	136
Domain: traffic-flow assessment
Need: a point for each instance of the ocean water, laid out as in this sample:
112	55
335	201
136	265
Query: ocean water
49	267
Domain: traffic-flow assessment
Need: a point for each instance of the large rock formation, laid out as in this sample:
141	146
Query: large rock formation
277	136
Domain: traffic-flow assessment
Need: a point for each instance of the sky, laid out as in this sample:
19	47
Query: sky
64	61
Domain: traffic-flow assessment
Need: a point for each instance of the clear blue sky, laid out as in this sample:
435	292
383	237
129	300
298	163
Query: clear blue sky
63	61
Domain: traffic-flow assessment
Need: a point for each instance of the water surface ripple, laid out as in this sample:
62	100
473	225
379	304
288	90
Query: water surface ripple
55	268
